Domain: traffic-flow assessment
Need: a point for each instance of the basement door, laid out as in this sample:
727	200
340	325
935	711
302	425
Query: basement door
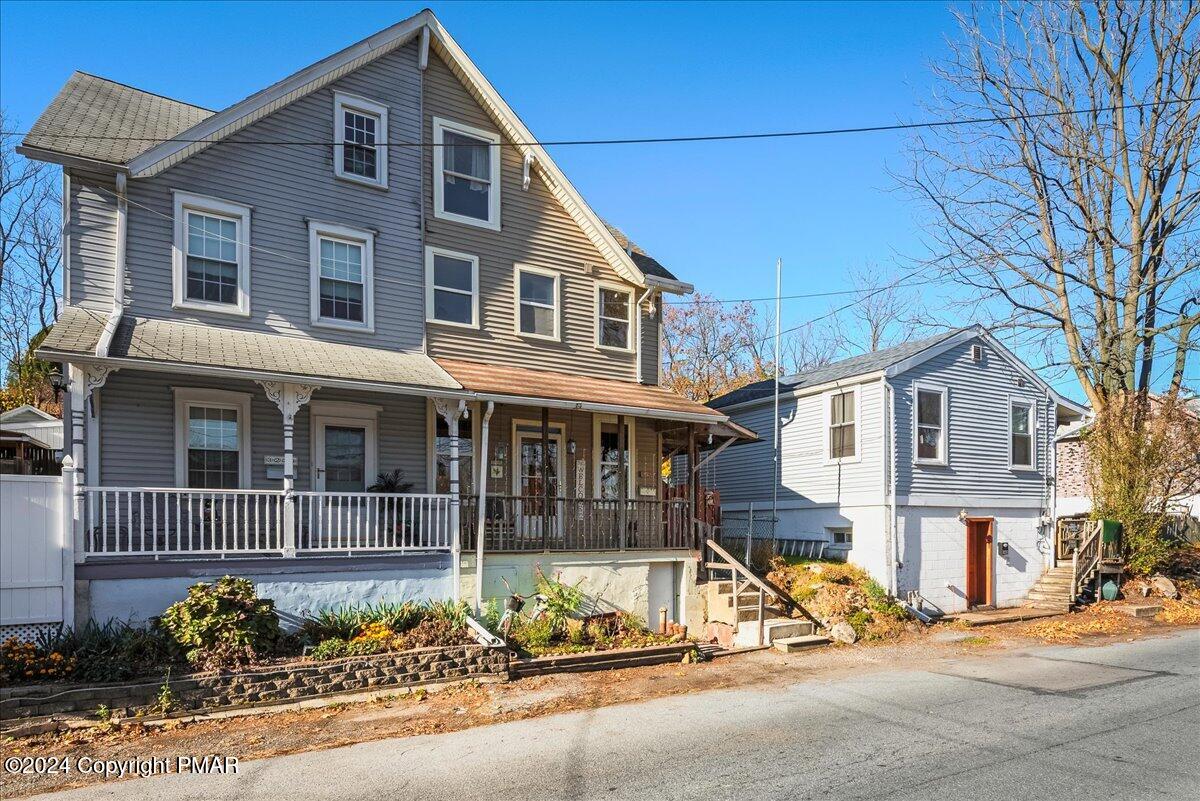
979	561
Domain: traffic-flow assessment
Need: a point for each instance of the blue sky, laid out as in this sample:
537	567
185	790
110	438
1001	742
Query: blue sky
717	213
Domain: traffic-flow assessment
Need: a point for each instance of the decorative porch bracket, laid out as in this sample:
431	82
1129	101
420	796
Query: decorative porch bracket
289	398
452	410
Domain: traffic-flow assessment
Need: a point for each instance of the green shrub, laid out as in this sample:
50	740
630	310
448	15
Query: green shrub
491	616
531	636
451	611
563	601
112	651
223	624
859	621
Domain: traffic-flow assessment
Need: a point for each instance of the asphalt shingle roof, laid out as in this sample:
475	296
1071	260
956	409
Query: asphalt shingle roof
90	106
644	261
164	341
837	371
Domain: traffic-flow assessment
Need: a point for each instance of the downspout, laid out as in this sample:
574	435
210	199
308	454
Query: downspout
118	307
479	521
889	478
638	309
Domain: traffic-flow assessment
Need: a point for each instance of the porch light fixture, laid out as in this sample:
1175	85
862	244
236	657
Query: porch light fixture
571	447
57	383
501	451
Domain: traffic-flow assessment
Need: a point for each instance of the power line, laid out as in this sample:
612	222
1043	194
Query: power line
831	293
647	140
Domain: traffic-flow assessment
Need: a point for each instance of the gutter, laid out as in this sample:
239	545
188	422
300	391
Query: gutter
638	350
118	307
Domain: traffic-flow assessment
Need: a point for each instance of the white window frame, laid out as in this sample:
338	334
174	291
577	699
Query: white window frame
598	420
440	126
556	308
943	457
1014	402
827	415
187	397
628	320
342	103
430	252
214	207
351	236
848	531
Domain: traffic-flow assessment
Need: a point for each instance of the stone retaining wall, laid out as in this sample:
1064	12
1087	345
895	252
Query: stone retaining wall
293	681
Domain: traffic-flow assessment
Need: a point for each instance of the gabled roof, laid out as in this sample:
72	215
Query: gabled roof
89	106
27	414
175	131
837	371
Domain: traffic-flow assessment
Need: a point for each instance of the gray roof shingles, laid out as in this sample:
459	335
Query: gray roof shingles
163	341
89	108
846	368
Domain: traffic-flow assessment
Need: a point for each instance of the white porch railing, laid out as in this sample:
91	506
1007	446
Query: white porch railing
367	521
165	522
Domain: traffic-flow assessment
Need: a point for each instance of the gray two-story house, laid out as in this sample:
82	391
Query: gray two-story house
930	464
369	267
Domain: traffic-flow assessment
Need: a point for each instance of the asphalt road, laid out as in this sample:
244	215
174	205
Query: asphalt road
1114	722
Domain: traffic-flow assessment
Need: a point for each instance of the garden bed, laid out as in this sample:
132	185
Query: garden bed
842	597
603	660
276	683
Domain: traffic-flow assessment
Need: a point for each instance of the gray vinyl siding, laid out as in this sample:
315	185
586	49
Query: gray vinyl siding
978	436
650	353
743	473
137	430
535	231
91	237
284	186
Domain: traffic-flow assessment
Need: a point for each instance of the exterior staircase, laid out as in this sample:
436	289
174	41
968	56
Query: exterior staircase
1054	590
755	613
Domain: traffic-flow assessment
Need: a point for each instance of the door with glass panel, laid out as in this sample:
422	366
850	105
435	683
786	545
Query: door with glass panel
343	466
537	476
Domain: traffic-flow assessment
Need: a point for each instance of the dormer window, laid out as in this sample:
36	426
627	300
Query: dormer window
466	168
360	137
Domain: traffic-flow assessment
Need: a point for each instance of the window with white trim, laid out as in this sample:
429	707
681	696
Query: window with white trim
1020	426
843	411
360	138
931	425
211	261
614	307
537	302
451	287
466	168
341	276
212	438
841	535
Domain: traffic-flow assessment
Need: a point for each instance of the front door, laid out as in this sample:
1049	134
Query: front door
343	454
979	562
534	479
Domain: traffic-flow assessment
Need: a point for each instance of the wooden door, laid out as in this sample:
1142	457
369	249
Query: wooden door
979	561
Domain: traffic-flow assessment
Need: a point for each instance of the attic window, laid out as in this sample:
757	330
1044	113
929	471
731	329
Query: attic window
360	137
466	166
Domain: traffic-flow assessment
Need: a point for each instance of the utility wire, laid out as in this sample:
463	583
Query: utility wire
647	140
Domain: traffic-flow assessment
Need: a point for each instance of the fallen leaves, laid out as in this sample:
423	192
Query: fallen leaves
1179	613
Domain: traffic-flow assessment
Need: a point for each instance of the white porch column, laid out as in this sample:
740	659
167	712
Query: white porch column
289	398
452	411
82	381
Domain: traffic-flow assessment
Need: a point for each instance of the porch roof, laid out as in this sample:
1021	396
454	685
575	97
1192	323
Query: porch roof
164	344
537	387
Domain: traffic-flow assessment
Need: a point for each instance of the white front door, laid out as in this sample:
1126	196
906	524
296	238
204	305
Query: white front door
344	457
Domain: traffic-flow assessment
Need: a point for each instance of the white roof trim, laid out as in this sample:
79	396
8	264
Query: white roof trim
327	70
12	413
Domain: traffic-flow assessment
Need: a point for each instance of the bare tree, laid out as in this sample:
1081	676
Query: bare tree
886	312
30	261
1072	205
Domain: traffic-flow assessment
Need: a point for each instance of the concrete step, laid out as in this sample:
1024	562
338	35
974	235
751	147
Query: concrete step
1052	605
774	628
1048	595
751	612
790	645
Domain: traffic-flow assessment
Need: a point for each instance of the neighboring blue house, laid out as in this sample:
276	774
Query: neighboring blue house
930	464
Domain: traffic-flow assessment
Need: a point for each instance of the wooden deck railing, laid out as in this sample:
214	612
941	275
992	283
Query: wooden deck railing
516	523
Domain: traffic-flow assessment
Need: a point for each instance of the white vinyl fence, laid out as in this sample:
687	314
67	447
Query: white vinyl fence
36	567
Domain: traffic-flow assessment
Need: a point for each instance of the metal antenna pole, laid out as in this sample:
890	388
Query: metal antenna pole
778	472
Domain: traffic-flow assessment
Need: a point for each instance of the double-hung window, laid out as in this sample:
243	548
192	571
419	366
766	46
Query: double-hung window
212	438
451	287
360	139
842	408
1021	427
614	307
466	169
341	276
537	302
211	263
930	424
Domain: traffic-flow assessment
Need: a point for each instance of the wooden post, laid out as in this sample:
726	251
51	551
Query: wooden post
622	483
545	478
693	483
